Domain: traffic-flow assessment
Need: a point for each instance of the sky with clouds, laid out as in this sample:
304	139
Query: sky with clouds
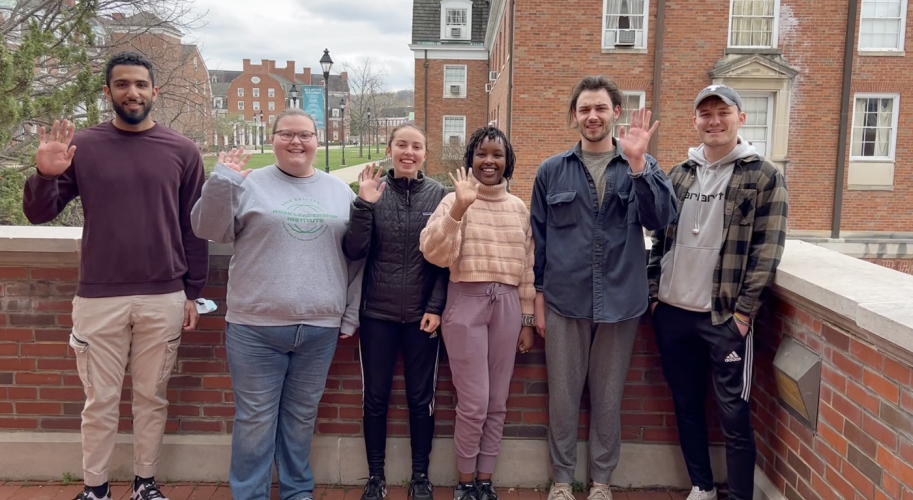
299	30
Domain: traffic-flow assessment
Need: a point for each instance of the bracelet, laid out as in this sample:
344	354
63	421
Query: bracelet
529	320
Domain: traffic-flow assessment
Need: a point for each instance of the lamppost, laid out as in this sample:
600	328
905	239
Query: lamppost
293	92
369	134
326	63
342	120
376	142
260	121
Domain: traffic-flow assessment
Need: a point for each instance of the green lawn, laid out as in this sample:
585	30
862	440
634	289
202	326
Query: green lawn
258	160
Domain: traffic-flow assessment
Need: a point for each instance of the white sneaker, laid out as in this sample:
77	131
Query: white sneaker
88	495
147	491
600	492
560	491
698	494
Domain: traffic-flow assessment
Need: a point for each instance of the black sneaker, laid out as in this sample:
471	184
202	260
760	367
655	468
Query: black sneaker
466	491
88	494
146	490
486	491
375	489
420	488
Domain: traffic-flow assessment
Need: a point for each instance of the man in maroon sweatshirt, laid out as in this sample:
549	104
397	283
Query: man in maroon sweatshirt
141	265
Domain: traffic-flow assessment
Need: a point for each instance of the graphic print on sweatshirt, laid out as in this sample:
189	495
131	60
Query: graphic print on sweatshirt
305	218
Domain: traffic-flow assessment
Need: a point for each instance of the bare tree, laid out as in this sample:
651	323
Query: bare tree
52	58
365	82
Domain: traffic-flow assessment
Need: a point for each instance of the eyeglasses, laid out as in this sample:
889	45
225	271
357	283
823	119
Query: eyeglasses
289	136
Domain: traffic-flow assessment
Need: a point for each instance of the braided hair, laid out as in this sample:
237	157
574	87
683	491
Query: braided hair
493	134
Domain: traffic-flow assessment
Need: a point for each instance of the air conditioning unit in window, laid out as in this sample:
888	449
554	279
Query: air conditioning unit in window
456	89
455	31
626	38
453	139
487	88
492	76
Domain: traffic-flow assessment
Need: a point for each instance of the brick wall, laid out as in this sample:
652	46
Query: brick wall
863	447
40	389
474	106
902	265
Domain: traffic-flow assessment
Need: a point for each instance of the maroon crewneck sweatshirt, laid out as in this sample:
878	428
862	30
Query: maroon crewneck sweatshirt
137	190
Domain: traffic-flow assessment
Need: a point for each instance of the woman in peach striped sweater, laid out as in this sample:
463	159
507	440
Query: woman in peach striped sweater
482	233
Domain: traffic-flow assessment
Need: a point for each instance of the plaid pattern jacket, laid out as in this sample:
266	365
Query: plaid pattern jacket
754	234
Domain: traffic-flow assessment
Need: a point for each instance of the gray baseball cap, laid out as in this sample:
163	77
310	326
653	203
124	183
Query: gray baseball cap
727	94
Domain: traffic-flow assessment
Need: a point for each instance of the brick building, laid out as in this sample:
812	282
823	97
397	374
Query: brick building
265	90
515	63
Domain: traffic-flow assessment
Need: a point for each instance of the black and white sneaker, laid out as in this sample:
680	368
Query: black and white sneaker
486	491
88	494
146	490
466	491
420	488
376	489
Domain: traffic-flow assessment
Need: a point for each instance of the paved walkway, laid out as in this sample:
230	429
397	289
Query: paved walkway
121	491
350	174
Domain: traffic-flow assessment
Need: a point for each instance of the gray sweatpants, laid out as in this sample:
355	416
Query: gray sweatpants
577	351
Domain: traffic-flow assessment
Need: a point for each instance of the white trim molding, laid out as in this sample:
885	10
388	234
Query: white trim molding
450	53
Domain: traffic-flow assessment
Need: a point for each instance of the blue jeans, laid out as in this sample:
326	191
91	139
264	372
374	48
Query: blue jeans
278	375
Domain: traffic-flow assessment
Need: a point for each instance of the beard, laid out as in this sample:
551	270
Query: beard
602	134
132	117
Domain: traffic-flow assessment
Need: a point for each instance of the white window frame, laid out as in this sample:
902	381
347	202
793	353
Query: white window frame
644	36
445	139
256	105
335	112
774	39
894	123
240	105
770	117
272	106
272	118
271	92
335	136
256	92
903	30
626	113
447	5
240	91
462	94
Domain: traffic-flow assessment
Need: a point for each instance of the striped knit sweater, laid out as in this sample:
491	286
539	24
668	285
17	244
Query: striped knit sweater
492	243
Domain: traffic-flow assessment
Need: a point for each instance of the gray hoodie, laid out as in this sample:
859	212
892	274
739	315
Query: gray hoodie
287	266
686	279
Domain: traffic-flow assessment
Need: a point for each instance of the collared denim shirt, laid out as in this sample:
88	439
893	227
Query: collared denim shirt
590	258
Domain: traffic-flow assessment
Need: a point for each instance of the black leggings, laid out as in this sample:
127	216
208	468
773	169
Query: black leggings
379	343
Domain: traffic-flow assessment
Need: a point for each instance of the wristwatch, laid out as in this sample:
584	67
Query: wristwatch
529	320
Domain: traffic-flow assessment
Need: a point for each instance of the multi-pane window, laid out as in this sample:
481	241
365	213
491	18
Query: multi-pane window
256	104
874	127
240	105
624	24
454	81
633	101
753	23
271	92
454	136
882	24
256	92
272	106
240	91
758	121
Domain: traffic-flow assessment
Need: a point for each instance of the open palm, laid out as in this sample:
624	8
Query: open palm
463	189
236	161
636	139
55	154
369	185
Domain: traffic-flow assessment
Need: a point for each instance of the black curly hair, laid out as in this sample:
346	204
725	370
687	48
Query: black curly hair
492	134
128	59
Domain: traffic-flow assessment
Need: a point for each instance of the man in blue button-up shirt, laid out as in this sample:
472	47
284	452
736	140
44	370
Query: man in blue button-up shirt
588	208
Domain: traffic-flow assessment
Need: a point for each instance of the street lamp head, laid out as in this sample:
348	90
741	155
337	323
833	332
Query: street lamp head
326	63
342	104
293	92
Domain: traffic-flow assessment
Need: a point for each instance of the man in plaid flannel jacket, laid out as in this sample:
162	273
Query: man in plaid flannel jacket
706	273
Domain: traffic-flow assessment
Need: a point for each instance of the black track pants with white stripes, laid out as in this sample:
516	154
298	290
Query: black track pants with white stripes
690	346
379	343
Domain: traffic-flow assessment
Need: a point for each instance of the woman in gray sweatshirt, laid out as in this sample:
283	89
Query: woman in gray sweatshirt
291	291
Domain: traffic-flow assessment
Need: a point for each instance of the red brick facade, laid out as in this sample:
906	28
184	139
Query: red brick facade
556	44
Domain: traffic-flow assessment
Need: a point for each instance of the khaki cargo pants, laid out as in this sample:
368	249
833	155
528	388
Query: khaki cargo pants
144	330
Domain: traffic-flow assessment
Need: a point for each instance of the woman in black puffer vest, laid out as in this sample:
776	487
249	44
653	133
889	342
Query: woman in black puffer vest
403	297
